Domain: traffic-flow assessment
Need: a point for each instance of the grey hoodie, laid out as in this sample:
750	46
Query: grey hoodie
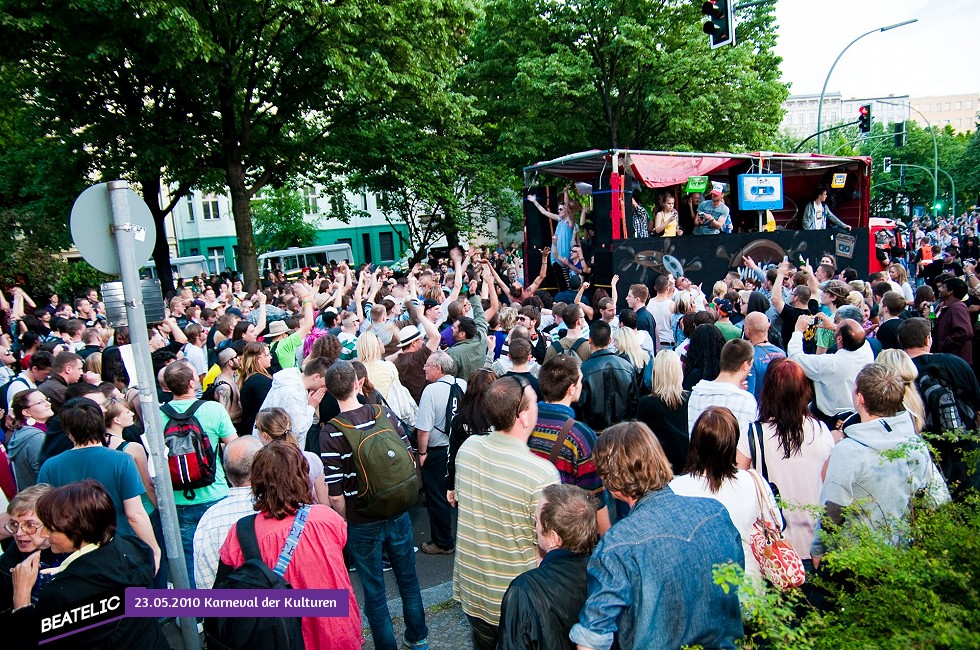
880	466
24	451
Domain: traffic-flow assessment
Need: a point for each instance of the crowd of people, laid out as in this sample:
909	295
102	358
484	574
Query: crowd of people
562	443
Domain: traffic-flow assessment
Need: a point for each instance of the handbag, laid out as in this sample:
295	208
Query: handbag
779	561
755	438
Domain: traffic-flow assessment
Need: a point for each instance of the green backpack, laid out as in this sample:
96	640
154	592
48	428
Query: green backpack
387	480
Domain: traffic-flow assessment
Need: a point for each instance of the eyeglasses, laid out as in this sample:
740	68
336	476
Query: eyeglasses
29	528
523	383
44	400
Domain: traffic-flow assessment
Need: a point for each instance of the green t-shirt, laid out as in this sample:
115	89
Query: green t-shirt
286	350
216	423
729	331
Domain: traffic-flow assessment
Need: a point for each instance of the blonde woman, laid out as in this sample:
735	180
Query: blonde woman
275	425
628	346
900	276
118	416
665	409
899	361
371	352
255	381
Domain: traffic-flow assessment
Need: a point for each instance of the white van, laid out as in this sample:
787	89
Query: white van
293	260
182	267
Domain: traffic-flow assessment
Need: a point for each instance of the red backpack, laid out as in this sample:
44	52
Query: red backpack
190	456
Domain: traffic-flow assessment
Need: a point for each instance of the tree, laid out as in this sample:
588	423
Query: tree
279	220
270	83
554	77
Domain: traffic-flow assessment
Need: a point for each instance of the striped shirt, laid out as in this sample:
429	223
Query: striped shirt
348	346
575	463
498	485
213	529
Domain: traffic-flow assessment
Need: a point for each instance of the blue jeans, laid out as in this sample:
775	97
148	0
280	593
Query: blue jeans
188	517
434	485
364	542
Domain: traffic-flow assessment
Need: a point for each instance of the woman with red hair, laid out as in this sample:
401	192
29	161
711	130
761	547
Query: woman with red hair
795	449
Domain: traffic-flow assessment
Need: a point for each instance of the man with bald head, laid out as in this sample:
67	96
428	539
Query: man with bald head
756	328
833	374
219	518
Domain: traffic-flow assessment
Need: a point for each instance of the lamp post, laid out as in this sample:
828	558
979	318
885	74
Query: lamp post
935	149
827	80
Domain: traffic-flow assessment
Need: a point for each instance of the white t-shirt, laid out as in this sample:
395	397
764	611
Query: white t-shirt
661	311
197	357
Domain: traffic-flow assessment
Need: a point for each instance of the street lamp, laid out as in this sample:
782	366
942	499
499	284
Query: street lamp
827	80
935	148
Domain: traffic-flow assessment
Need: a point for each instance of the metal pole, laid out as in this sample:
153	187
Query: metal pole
123	230
953	185
827	80
935	149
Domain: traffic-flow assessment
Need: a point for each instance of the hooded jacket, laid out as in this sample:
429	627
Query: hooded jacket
24	451
880	466
123	562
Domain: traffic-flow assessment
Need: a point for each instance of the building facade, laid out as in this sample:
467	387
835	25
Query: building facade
962	112
203	224
800	118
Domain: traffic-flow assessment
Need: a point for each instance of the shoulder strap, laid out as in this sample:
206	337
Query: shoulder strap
560	440
577	345
751	437
558	347
762	449
299	523
169	411
764	506
247	539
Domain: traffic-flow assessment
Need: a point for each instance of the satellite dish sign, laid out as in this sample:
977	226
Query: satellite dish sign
91	228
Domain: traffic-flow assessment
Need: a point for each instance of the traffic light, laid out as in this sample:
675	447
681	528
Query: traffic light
899	134
720	26
864	119
887	164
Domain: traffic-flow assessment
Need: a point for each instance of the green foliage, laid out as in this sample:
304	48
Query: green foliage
553	77
78	277
278	217
925	594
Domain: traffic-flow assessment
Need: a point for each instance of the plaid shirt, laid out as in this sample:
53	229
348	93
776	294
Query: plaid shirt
213	529
641	222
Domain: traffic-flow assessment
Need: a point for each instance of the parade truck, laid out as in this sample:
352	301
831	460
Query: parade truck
766	193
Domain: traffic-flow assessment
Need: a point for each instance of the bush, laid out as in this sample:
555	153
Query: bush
925	594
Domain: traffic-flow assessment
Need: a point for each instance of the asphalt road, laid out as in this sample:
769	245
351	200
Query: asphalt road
433	570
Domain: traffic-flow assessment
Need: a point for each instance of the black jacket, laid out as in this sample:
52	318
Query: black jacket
609	390
541	605
123	562
11	558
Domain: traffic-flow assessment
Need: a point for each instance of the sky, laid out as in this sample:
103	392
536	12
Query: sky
938	55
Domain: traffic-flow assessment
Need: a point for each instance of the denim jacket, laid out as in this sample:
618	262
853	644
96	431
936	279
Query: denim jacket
650	578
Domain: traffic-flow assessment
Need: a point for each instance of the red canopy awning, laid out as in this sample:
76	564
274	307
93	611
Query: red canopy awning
663	171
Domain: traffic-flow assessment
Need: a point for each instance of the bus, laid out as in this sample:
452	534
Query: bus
181	267
294	260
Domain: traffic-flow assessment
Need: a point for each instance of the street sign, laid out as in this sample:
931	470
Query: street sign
92	229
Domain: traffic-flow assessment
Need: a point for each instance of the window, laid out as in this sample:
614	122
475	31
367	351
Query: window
366	243
310	195
946	106
209	204
346	240
386	244
190	208
959	105
216	258
195	251
968	104
928	107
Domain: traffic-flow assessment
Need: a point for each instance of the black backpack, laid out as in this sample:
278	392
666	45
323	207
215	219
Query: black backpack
192	460
5	390
211	394
452	405
387	479
254	632
945	411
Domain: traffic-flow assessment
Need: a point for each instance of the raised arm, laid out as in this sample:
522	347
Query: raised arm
261	322
545	252
615	291
586	309
306	324
488	288
777	288
534	201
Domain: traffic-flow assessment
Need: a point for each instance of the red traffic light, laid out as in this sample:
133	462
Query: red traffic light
712	9
864	110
